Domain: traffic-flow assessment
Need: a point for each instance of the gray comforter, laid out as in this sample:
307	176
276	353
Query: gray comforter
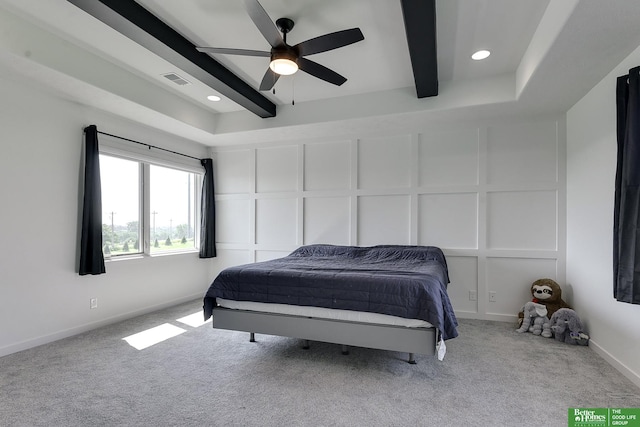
404	281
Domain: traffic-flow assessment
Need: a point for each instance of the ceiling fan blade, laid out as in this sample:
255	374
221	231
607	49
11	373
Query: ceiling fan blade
226	51
269	80
265	25
320	71
329	41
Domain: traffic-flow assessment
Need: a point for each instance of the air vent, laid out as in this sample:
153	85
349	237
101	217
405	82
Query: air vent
176	79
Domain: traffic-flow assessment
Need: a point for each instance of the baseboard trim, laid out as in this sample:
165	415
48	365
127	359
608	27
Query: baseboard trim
46	339
621	367
509	318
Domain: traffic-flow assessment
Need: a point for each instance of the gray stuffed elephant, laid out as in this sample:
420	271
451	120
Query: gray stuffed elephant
535	320
568	328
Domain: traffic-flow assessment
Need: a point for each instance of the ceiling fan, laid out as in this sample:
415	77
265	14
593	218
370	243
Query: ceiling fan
286	59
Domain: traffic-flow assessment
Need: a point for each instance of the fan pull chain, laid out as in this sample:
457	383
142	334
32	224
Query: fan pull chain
293	90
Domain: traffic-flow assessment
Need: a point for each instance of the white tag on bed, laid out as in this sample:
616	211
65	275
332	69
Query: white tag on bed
442	349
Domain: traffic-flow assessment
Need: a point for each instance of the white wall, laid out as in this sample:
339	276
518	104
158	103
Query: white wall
591	168
490	194
42	298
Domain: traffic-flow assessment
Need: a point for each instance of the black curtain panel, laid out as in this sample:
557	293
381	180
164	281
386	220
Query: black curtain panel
626	223
208	213
91	257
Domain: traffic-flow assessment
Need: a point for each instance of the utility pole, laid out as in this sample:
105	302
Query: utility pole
113	232
154	213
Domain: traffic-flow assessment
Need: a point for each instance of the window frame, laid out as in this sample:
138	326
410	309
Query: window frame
145	157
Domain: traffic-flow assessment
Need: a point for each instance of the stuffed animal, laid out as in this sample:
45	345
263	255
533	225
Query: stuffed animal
535	320
548	293
568	328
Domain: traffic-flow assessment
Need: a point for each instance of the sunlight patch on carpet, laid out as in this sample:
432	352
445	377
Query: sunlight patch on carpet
194	320
152	336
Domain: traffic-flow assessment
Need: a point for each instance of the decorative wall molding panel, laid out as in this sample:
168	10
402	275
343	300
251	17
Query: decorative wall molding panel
491	195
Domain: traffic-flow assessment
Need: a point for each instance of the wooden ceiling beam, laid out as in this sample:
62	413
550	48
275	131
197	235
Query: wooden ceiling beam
420	26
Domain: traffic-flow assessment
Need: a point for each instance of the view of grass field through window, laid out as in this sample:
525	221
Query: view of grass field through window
171	220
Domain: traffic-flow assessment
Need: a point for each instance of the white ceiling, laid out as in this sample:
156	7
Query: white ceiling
545	56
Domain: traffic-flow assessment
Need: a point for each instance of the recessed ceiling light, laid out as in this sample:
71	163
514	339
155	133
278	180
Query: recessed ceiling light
481	54
214	98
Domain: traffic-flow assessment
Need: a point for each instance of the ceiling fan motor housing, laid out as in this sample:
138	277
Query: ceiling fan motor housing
284	52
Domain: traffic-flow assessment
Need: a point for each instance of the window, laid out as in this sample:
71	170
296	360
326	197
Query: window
147	208
172	209
121	213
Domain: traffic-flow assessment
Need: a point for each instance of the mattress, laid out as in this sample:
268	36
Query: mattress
323	313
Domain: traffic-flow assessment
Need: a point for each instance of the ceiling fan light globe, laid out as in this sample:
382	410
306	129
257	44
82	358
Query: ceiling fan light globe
283	66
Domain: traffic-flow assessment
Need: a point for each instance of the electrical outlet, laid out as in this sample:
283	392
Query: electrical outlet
492	296
473	295
93	303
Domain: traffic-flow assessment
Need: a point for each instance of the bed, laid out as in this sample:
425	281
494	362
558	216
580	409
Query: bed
390	297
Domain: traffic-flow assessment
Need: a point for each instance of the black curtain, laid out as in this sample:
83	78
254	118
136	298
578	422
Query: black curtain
91	257
207	213
626	222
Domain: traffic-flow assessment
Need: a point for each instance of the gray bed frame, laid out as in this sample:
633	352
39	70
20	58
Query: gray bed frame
347	333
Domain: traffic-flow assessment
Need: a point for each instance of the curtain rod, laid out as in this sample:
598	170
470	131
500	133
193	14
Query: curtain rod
149	145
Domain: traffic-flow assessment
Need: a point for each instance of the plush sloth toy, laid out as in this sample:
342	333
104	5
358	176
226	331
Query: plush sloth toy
548	293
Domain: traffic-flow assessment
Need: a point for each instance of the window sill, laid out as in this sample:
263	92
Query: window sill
153	255
123	258
169	253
